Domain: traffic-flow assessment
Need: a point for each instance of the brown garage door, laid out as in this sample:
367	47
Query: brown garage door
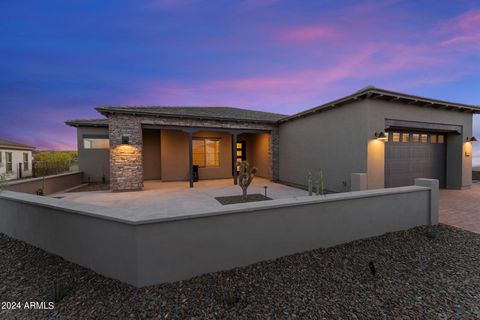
410	155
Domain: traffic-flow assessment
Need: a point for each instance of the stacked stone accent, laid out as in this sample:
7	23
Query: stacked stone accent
126	166
275	153
126	163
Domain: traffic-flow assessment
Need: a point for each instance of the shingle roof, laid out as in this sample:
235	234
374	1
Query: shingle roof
8	144
88	123
371	92
229	113
219	113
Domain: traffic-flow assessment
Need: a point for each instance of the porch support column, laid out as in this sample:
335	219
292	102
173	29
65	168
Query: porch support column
234	153
190	157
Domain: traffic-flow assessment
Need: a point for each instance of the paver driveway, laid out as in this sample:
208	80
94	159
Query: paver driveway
461	208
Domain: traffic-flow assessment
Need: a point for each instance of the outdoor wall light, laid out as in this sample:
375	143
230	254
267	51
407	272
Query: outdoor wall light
381	136
472	139
125	140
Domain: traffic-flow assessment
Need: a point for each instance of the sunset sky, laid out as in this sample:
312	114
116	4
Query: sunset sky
60	59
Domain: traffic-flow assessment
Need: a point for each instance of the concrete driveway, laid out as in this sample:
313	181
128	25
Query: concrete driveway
461	208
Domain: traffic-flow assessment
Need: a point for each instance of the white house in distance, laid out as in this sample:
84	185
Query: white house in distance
15	160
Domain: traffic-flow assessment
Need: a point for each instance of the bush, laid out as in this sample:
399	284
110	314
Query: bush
53	162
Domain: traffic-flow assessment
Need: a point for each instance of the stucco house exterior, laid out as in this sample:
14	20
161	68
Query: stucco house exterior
15	160
387	138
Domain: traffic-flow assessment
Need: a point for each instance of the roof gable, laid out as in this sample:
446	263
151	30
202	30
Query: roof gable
372	92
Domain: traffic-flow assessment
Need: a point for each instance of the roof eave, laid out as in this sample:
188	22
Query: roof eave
107	112
8	147
394	97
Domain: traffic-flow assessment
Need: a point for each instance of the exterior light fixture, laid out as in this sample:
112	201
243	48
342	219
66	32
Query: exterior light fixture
125	140
472	139
381	136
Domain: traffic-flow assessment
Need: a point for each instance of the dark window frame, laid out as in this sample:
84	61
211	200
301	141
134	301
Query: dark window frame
9	164
204	139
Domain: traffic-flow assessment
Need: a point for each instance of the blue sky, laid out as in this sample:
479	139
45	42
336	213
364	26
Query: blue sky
60	59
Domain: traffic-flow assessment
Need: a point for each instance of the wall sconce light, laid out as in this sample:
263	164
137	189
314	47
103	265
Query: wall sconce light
472	139
381	136
125	140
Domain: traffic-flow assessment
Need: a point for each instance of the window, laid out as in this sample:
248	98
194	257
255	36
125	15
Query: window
396	137
441	139
96	143
424	138
25	161
405	137
415	138
433	138
8	162
206	152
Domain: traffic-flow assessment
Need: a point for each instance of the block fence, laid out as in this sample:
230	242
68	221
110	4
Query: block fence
145	252
50	184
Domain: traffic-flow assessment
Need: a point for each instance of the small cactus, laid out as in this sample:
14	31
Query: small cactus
245	178
310	184
60	290
3	182
320	189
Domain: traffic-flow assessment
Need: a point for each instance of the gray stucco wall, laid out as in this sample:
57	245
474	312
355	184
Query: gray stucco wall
93	162
333	141
341	141
113	242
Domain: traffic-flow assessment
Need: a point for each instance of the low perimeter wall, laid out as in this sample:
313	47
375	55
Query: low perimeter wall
49	184
111	242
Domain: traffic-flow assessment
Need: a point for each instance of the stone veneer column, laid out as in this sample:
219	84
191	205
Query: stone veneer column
274	153
126	164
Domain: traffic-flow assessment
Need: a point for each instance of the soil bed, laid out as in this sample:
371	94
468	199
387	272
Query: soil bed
239	199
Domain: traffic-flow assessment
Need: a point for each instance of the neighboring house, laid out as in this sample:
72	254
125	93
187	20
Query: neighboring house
15	160
391	137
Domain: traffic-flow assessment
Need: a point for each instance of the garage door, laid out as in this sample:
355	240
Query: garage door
410	155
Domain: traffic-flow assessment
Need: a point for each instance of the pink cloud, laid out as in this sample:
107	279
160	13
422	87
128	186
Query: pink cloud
463	31
309	33
170	4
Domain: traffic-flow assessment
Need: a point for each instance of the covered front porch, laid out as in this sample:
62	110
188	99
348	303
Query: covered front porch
191	154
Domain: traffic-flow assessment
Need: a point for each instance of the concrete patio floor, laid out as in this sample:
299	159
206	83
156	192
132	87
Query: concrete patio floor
172	198
461	208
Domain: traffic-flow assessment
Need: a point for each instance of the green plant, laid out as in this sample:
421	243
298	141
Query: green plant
310	184
39	192
320	188
245	177
3	182
53	162
60	290
228	296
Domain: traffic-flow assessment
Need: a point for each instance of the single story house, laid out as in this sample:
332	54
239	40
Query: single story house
15	160
390	137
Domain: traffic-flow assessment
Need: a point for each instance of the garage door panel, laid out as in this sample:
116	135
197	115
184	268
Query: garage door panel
406	161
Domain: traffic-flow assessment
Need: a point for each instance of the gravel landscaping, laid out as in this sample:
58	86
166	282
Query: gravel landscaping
426	272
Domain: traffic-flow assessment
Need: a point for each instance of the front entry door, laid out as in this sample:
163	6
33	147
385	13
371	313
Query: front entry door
241	153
